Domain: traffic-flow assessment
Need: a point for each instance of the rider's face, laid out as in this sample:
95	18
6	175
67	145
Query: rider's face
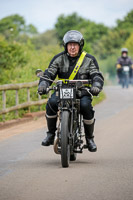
124	54
73	49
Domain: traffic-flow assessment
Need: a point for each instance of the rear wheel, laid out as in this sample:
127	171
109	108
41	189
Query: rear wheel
65	147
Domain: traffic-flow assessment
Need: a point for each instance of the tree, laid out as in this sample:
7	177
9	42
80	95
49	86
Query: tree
109	43
67	23
12	55
90	30
14	25
126	23
45	39
129	44
94	32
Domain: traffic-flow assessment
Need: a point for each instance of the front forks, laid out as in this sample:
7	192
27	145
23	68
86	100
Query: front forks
75	140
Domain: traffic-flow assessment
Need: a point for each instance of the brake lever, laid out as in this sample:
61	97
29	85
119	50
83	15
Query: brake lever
88	92
48	79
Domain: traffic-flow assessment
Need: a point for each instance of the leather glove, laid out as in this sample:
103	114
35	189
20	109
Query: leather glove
94	90
42	88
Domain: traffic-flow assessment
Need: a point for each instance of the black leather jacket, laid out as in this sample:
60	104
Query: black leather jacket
62	65
125	61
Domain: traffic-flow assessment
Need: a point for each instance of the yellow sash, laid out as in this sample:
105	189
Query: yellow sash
76	68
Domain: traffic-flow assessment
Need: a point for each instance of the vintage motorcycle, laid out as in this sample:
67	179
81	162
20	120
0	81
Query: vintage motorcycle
69	139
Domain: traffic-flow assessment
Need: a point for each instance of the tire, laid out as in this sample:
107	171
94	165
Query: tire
127	81
65	147
123	83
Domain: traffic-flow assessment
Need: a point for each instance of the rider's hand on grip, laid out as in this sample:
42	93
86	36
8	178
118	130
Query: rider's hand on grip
42	88
94	90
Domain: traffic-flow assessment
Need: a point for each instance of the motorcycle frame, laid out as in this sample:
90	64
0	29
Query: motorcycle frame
72	106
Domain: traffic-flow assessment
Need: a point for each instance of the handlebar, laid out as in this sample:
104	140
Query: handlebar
79	82
39	74
84	81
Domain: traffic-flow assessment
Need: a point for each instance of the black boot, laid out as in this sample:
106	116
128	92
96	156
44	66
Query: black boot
51	124
89	129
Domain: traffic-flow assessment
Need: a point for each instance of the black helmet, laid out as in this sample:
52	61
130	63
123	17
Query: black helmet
73	36
124	50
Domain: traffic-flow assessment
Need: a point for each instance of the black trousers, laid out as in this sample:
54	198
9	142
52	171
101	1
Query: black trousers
86	108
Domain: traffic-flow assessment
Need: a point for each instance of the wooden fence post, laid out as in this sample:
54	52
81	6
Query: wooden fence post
4	102
17	102
17	87
28	97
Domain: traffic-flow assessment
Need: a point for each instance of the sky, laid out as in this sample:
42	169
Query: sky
43	14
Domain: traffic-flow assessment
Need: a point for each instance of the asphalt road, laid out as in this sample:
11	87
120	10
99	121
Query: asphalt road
30	171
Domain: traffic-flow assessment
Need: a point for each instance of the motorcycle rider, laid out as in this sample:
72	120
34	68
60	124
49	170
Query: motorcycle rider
122	61
62	65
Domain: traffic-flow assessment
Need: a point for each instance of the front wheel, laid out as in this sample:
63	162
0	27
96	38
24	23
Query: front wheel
65	131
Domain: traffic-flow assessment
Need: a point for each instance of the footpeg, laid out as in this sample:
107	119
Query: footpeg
85	146
78	151
81	149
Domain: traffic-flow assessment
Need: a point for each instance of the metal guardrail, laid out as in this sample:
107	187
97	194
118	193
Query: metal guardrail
18	106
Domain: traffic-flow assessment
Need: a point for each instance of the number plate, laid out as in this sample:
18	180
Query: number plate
66	93
126	68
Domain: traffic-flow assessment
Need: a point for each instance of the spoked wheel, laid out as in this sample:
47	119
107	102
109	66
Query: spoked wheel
65	147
